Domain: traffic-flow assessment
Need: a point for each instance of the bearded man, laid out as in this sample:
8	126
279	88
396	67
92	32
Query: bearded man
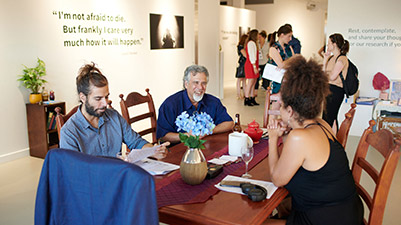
95	129
192	98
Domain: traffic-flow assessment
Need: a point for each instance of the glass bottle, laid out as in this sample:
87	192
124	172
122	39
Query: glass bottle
45	95
237	125
51	95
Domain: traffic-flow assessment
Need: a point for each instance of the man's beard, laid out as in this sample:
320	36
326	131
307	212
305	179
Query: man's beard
92	111
197	98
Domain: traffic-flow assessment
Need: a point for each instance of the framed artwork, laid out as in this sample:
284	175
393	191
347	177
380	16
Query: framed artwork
242	31
395	90
166	31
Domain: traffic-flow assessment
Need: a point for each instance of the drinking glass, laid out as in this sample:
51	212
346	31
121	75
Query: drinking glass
246	155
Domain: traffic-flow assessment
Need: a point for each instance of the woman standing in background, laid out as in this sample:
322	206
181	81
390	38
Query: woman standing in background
263	54
335	62
251	67
280	50
240	74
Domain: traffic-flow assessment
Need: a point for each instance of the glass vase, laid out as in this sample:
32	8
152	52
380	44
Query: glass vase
193	167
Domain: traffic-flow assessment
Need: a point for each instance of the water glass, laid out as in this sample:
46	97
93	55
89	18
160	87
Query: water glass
246	155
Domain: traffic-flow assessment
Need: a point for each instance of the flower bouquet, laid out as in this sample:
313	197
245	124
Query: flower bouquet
197	125
193	167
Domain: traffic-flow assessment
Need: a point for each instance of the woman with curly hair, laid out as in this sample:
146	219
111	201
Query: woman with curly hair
313	165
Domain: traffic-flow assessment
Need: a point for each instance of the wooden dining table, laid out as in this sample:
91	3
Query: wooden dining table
223	207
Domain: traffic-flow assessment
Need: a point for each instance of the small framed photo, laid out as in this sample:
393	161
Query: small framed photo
395	90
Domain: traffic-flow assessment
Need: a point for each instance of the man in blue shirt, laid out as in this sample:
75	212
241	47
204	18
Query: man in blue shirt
192	98
95	129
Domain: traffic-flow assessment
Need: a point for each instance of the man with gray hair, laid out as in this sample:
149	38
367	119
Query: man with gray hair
192	98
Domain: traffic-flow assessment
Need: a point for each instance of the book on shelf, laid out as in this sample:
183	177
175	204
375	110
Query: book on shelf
52	121
49	119
54	125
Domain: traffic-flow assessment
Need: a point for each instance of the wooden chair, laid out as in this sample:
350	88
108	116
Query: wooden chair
270	98
61	119
134	99
342	134
384	142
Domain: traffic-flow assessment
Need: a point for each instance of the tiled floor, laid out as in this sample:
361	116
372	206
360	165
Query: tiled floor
19	178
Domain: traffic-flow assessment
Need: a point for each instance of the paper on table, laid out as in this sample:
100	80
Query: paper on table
155	167
139	154
223	159
272	72
270	187
230	158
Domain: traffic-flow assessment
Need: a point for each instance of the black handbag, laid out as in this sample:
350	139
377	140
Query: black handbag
240	72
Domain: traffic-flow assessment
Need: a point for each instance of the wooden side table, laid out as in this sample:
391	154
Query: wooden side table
41	138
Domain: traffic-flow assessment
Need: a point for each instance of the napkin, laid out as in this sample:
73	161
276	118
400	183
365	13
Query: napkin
269	186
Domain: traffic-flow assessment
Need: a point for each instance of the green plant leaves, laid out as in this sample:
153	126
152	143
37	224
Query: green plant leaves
192	141
32	78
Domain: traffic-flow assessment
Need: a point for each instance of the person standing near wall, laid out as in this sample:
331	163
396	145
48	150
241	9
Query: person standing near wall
251	68
240	74
263	54
280	50
335	62
294	42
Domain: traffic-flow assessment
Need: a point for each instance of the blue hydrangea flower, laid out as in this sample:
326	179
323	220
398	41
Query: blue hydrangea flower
199	124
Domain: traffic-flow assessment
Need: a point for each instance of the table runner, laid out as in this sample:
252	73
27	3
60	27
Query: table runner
174	191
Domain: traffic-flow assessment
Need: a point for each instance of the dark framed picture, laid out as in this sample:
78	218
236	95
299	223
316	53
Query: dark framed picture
166	31
242	31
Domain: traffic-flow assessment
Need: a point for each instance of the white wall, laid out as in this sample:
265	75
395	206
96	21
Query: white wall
30	30
208	43
307	25
369	59
231	19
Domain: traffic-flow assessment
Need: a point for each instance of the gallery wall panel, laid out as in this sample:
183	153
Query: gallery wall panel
67	34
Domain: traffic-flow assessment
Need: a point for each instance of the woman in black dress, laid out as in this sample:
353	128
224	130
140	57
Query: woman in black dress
335	62
240	74
313	165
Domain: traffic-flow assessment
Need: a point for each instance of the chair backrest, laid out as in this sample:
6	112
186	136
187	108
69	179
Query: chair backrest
384	142
269	110
342	134
61	119
134	99
76	188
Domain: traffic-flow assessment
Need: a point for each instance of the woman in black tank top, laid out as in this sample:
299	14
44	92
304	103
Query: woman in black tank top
313	165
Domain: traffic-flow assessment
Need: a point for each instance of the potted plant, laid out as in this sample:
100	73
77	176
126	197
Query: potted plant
32	78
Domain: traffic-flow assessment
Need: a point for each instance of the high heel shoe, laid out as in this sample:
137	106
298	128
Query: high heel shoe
247	102
252	100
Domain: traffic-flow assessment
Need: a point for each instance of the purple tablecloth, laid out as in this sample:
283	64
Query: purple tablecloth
173	190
